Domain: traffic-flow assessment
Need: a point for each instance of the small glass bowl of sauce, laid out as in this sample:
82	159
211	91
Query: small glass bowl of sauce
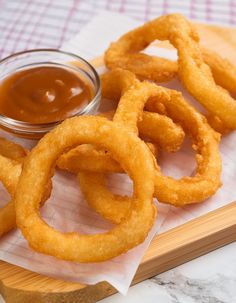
41	88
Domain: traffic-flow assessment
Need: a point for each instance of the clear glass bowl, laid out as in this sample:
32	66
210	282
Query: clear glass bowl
48	57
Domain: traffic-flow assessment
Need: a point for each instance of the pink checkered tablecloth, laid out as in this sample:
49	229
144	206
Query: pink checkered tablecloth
26	24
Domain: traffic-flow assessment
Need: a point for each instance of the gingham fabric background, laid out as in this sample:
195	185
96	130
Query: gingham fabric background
26	24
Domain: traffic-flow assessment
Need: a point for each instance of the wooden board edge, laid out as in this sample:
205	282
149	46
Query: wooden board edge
192	239
87	294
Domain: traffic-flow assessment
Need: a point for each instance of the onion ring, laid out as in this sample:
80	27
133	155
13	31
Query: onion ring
124	54
90	158
194	73
38	169
12	156
158	128
198	80
224	74
223	71
9	175
187	190
110	206
127	114
206	181
12	150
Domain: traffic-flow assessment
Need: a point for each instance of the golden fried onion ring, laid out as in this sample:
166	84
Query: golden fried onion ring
206	181
12	156
12	150
194	73
130	108
110	206
38	170
125	54
90	158
224	74
9	175
187	190
159	129
223	71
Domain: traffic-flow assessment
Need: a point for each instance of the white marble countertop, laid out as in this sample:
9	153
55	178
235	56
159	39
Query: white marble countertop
207	279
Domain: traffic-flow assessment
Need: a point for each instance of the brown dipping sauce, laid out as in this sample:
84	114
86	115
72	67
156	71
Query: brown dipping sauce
43	94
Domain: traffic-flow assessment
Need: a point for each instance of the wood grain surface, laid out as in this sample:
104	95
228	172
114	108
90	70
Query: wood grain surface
166	251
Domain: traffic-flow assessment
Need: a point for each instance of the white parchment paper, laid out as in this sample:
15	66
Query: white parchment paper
68	211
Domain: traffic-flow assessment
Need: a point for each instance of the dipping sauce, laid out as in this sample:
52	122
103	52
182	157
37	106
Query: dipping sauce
43	94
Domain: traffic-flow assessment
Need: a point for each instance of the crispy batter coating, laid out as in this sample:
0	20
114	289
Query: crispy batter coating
127	149
200	70
12	150
9	175
125	53
12	156
110	206
223	71
205	140
129	110
180	192
159	129
224	74
197	78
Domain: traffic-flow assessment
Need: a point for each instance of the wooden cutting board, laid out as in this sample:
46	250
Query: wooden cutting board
166	251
